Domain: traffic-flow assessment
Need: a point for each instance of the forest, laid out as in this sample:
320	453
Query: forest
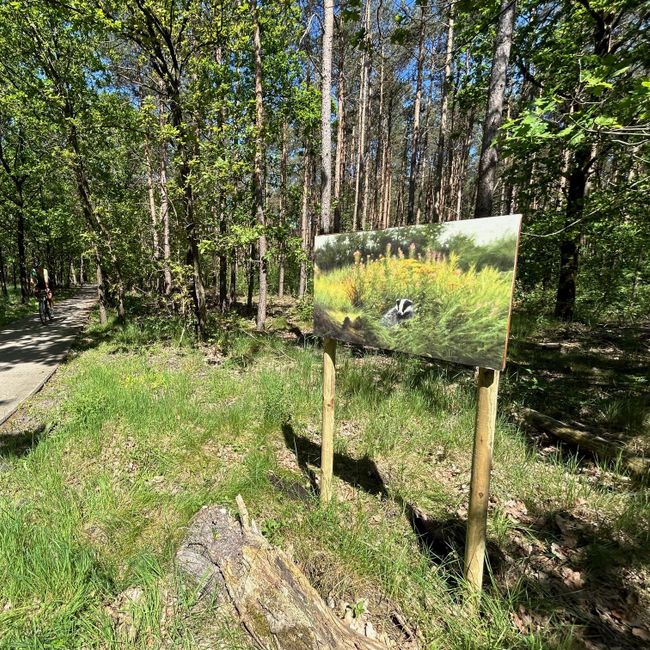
177	147
220	191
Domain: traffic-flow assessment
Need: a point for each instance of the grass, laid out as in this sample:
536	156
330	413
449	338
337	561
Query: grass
11	307
145	432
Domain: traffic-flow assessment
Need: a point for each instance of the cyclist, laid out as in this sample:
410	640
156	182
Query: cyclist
41	281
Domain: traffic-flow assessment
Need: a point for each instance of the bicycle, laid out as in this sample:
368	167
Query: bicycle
44	311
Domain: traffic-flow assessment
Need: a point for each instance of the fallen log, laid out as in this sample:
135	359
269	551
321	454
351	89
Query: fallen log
596	444
275	603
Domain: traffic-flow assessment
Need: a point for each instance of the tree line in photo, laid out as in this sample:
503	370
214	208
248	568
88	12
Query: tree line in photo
195	149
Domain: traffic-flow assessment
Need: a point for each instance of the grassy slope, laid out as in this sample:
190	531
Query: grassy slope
12	309
147	434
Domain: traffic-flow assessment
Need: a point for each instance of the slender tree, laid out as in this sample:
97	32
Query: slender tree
487	166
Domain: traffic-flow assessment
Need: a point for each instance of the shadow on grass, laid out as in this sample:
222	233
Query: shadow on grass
441	541
593	587
543	590
15	444
597	376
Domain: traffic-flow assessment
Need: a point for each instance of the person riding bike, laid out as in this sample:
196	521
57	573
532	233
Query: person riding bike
41	281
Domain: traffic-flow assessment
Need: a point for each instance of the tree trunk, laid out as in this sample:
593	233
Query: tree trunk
361	122
304	224
101	291
272	598
339	164
415	134
233	279
283	204
386	172
91	215
494	110
326	117
3	276
164	220
438	194
152	208
22	257
223	261
583	158
250	279
380	154
570	244
258	171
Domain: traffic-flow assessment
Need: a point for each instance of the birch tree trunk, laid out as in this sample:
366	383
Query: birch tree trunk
493	113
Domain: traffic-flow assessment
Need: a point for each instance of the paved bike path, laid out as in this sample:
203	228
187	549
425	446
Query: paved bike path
30	352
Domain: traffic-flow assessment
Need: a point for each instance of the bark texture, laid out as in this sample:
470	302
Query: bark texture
258	173
273	599
326	117
489	156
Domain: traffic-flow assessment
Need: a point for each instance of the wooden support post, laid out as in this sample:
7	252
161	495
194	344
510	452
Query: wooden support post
479	492
327	430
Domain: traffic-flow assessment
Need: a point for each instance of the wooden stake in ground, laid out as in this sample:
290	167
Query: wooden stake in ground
327	430
486	415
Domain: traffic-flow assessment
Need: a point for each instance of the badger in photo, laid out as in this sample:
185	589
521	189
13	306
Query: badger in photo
403	310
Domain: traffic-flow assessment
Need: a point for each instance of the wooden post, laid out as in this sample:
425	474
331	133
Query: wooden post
479	493
327	430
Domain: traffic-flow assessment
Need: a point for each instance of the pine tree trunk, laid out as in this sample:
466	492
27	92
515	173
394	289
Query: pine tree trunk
438	194
326	117
361	123
283	204
304	224
380	152
415	133
489	156
339	164
258	172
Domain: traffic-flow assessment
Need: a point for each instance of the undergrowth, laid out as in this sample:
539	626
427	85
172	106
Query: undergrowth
147	432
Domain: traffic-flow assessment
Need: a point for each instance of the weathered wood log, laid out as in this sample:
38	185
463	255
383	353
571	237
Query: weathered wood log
276	604
637	465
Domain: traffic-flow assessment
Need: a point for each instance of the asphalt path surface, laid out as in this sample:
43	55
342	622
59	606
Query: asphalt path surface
30	352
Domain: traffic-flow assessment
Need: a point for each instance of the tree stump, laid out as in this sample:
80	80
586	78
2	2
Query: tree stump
273	599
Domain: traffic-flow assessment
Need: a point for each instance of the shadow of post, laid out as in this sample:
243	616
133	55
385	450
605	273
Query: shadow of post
441	541
17	444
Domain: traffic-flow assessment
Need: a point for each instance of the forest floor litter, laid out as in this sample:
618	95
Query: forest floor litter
134	445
